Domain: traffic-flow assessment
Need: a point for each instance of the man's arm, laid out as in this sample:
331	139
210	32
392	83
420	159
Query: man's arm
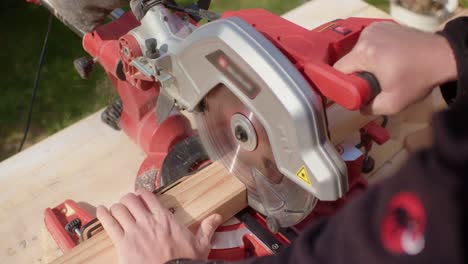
415	216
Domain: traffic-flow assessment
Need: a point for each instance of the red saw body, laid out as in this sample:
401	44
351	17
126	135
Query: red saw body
312	52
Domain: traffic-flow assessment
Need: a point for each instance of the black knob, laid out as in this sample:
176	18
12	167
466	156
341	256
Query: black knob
73	225
368	164
152	51
374	84
84	66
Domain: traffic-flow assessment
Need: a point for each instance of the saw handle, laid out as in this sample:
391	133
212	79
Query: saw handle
373	83
335	40
350	91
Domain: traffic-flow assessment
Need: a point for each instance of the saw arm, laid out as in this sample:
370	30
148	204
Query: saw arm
258	86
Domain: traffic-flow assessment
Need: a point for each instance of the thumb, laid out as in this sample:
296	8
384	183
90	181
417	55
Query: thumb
349	63
207	228
383	104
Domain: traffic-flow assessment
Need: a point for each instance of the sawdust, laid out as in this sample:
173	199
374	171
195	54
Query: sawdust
50	250
146	180
426	7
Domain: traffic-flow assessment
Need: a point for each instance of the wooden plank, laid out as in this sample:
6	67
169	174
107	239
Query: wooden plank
390	167
317	12
419	140
371	12
87	161
213	190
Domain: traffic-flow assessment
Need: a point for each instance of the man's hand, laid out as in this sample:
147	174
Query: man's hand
143	231
408	64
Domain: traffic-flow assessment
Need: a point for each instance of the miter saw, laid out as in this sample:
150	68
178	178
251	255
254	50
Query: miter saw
257	88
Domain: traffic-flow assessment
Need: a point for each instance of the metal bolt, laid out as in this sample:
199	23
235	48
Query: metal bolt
275	246
241	134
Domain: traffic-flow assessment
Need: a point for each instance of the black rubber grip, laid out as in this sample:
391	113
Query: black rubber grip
373	82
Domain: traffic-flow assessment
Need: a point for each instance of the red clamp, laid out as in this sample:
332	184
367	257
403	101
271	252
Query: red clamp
377	133
57	219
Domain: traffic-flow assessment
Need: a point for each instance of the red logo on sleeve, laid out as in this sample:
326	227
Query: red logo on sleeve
403	226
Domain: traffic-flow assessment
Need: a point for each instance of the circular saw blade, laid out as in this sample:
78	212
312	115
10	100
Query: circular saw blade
215	125
232	135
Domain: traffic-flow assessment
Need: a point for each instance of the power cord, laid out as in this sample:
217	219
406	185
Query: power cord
36	82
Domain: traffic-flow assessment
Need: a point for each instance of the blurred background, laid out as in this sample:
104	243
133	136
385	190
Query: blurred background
63	98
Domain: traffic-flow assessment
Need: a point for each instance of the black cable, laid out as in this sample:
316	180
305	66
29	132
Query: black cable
36	82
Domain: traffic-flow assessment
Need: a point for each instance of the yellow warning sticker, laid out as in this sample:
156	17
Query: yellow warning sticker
303	175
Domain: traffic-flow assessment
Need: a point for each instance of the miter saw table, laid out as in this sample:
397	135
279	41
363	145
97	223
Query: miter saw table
95	138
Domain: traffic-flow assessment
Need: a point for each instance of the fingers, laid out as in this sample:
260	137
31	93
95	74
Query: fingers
122	215
207	229
112	226
152	203
136	206
349	63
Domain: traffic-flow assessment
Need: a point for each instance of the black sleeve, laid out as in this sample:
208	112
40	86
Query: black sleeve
419	215
456	32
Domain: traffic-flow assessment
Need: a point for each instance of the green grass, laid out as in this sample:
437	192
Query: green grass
276	6
382	4
63	98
